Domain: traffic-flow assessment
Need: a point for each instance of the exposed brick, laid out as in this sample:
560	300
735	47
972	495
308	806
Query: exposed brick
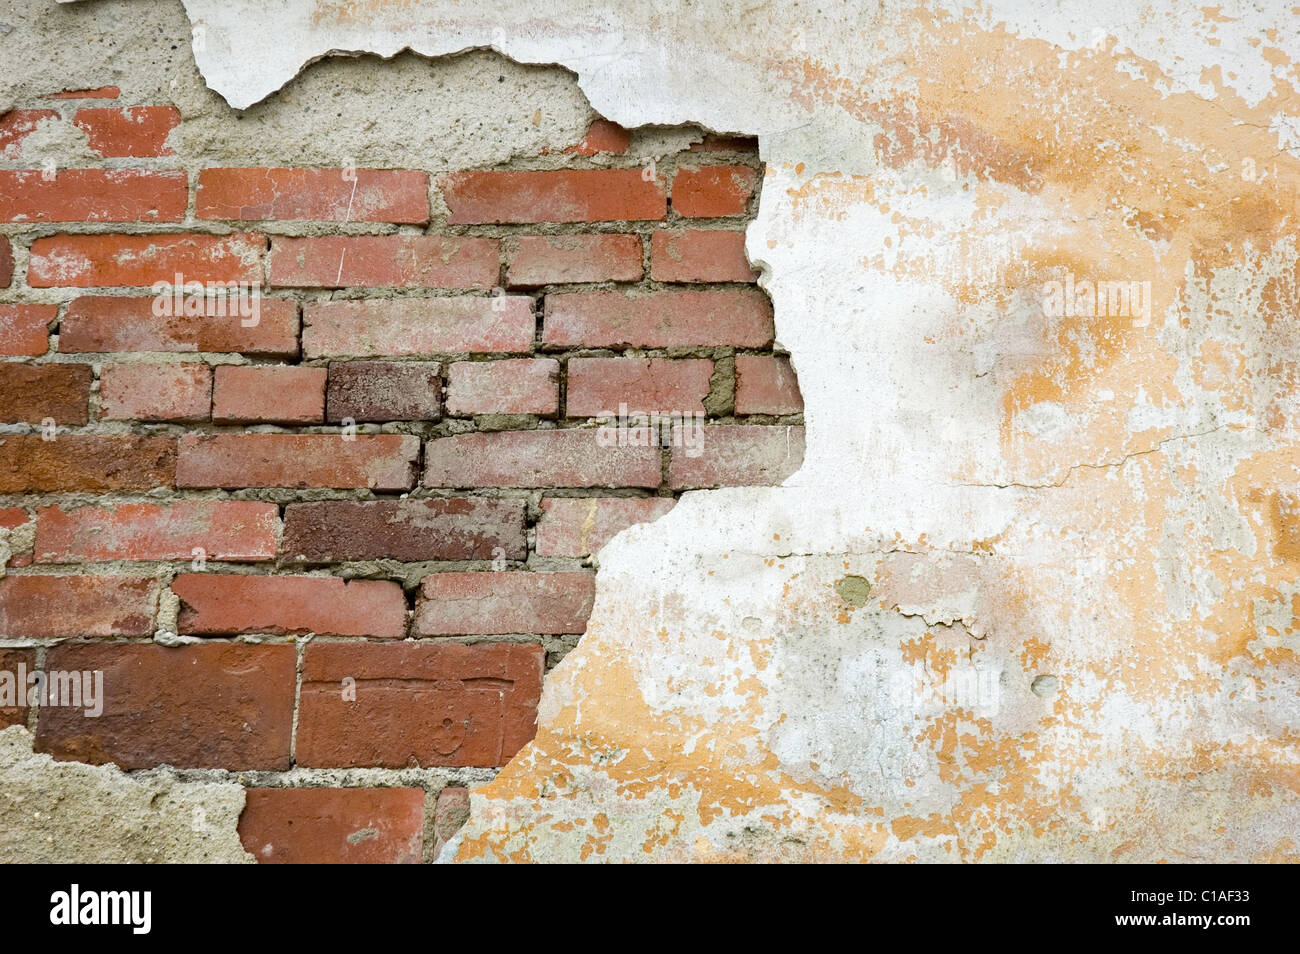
24	329
219	705
417	704
88	261
89	462
553	259
222	529
98	323
155	392
35	392
383	391
379	462
726	144
268	394
450	813
699	255
602	386
713	191
418	326
565	195
603	136
331	826
10	660
458	528
6	263
58	606
739	455
93	195
16	125
512	386
675	318
547	458
499	603
228	604
579	526
389	261
766	385
314	195
137	131
101	92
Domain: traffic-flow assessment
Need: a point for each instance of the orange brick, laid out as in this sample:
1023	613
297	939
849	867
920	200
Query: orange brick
268	394
387	261
88	261
699	255
93	195
319	195
713	191
134	131
155	392
565	195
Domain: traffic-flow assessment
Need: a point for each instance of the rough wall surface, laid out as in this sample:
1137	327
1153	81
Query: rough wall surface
1032	594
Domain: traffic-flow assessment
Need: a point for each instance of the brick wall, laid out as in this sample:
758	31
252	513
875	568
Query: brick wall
334	546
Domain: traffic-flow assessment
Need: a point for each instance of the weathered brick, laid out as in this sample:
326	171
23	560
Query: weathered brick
222	529
450	813
89	462
268	394
512	386
24	329
6	263
379	462
10	659
664	319
766	384
418	326
99	323
36	392
388	261
383	391
457	528
553	259
88	261
328	826
217	705
16	125
60	606
11	518
565	195
136	131
499	603
579	526
713	191
739	455
155	392
699	255
417	703
547	458
229	604
602	136
601	386
93	195
314	195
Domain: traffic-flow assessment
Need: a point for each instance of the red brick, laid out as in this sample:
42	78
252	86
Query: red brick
766	385
664	319
88	261
565	195
314	195
579	526
223	529
11	518
383	391
450	813
60	606
85	462
547	458
604	386
218	705
36	392
333	826
388	261
155	392
713	191
699	255
93	195
499	603
379	462
418	326
741	455
24	329
417	703
102	92
268	394
137	131
217	604
97	323
726	144
555	259
16	125
512	386
603	136
6	263
457	528
10	660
